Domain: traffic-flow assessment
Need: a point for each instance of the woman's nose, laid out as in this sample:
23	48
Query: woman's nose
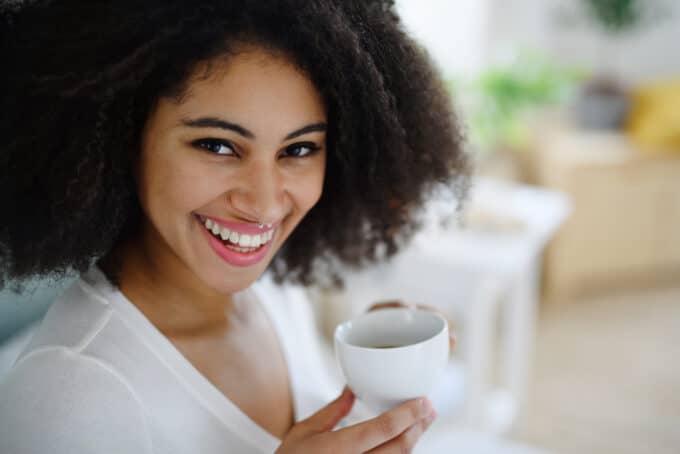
260	194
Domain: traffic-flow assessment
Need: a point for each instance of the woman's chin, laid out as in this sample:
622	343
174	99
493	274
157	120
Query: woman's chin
226	285
225	281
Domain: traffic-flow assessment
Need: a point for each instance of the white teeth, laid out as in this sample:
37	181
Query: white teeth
241	242
244	241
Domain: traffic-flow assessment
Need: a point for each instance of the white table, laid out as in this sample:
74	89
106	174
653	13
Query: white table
475	275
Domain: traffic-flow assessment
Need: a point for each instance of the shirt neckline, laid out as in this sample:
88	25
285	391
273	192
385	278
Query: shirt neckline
195	383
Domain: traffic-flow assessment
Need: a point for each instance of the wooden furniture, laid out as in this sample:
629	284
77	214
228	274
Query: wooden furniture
625	223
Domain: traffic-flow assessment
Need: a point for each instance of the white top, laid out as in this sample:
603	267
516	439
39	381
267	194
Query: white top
98	377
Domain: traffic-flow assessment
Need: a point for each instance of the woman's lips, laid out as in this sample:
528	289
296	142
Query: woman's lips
231	256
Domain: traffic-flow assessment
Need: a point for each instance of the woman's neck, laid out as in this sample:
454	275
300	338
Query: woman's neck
173	298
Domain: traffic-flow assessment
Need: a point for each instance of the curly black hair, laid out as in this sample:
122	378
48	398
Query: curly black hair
81	77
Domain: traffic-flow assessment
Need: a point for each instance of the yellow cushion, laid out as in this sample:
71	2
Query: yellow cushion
654	119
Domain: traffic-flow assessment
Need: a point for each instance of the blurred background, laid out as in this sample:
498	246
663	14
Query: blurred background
562	273
562	270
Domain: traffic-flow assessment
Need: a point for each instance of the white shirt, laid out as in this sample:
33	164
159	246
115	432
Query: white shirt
98	377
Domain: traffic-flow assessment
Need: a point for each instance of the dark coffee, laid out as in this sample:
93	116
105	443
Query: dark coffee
386	346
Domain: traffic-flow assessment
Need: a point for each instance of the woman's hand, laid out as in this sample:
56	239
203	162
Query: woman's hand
395	431
399	304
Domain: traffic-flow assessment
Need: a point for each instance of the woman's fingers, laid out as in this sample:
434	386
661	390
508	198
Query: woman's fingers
396	430
452	338
407	440
389	425
330	415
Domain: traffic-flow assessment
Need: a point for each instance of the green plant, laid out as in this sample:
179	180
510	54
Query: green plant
615	15
496	99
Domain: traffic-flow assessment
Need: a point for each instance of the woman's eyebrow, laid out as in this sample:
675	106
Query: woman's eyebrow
307	129
212	122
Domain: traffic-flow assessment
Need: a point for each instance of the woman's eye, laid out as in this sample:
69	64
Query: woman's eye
300	150
216	146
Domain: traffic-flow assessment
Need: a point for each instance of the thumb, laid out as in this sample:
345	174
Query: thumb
330	415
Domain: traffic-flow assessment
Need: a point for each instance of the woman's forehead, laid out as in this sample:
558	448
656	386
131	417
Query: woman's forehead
253	87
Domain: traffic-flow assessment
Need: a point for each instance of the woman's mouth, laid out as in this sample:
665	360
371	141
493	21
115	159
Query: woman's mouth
237	248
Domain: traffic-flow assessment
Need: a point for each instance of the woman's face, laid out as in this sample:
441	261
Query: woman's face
244	146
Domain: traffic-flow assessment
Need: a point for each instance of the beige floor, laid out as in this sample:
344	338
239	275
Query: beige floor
607	375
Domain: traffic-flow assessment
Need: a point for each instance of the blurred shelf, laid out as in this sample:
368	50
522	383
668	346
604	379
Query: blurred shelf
626	209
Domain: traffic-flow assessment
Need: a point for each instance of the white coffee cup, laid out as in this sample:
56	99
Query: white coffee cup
389	356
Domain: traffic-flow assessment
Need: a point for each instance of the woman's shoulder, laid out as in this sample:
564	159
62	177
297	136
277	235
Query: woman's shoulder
73	319
59	398
56	399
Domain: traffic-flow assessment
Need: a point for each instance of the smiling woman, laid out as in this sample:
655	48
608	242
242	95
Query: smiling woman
242	148
183	157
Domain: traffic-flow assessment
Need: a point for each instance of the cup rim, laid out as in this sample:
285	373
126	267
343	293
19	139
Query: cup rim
438	316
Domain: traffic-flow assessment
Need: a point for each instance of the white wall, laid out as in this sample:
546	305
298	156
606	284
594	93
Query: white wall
455	32
557	27
464	35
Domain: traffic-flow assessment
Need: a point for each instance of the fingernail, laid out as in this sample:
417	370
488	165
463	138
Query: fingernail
431	417
425	405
